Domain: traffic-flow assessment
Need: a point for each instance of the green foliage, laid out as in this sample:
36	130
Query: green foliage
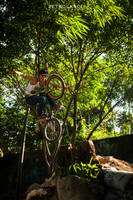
85	170
89	170
72	27
12	117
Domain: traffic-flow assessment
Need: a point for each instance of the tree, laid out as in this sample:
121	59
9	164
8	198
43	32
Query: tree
101	31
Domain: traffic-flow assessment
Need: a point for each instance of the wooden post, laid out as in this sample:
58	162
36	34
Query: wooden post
21	158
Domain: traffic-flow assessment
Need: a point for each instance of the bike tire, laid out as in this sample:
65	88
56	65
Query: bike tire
52	130
55	92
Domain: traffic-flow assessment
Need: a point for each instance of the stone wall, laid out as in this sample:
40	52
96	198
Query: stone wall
118	147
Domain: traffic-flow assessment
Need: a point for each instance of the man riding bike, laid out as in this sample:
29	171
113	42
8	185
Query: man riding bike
36	85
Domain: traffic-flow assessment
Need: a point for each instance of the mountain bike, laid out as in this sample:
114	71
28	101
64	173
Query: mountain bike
50	126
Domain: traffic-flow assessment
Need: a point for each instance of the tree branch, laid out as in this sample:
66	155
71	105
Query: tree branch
101	120
73	64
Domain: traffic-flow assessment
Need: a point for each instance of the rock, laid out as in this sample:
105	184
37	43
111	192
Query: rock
118	179
112	194
39	194
85	151
81	153
43	191
34	186
77	188
110	161
34	191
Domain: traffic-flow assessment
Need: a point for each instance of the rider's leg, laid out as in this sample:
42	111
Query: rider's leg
51	101
53	104
40	100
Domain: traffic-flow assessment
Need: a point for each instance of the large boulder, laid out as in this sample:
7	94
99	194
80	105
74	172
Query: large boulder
80	153
118	178
46	191
119	184
77	188
38	194
84	152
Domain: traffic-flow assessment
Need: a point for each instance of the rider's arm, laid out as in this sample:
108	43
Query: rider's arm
31	79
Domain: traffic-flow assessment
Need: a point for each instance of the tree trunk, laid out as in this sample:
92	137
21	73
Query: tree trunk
21	159
74	120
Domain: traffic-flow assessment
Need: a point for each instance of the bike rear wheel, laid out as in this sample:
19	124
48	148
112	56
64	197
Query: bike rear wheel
52	130
55	87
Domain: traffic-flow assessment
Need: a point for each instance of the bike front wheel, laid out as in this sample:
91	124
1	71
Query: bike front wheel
52	130
55	87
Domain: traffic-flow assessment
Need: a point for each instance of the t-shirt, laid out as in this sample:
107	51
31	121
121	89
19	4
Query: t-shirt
31	89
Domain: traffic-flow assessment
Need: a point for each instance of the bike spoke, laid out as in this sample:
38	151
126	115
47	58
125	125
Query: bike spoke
52	130
55	87
55	90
